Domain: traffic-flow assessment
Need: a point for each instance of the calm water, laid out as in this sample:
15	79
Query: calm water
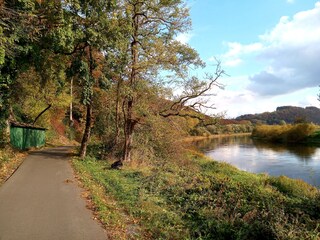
294	161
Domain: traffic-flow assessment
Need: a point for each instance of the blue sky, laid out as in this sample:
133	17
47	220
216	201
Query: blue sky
269	48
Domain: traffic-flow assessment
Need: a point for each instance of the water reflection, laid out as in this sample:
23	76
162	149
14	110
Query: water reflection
296	161
301	151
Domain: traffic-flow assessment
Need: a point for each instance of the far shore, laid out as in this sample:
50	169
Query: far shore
195	138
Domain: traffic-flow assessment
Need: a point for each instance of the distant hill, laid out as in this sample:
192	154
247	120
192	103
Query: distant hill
289	114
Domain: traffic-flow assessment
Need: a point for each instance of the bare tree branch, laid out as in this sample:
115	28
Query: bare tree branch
39	115
181	106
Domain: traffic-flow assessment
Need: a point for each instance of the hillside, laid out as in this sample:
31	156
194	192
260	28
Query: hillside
289	114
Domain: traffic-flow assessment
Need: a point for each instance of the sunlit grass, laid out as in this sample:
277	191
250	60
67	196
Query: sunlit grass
203	199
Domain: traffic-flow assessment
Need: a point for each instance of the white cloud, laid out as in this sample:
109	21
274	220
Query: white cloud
236	51
291	54
291	51
233	98
302	29
184	37
240	102
232	62
290	1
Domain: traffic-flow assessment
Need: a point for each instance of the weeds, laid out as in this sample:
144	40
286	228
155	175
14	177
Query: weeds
203	200
9	161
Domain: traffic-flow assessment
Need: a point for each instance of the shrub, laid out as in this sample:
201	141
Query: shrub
200	131
300	131
213	129
284	133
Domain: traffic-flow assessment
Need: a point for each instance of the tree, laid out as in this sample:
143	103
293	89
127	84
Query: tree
89	20
153	52
15	36
191	102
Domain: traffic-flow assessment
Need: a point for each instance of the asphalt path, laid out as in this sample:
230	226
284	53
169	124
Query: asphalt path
42	201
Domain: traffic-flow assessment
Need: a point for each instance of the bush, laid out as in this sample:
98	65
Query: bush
213	129
300	132
200	131
284	133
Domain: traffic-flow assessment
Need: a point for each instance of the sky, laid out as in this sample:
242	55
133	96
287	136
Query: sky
270	50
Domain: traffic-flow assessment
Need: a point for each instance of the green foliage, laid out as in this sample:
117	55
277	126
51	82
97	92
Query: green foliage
282	122
32	95
3	41
4	111
203	199
292	188
80	69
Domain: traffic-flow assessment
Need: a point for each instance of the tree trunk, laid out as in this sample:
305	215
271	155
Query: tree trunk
87	132
7	133
129	121
89	117
128	142
128	133
129	125
117	130
71	106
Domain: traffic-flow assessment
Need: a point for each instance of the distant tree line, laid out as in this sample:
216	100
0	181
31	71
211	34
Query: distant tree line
285	114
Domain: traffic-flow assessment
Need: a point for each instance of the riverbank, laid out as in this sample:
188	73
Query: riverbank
314	139
196	138
197	198
296	133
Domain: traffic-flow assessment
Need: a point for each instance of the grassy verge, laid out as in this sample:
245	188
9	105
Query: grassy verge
9	161
199	199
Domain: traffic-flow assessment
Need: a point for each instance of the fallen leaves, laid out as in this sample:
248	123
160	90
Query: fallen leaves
10	160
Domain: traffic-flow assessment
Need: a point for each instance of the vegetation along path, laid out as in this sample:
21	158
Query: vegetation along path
42	201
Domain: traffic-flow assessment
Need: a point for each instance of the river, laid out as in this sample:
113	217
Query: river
294	161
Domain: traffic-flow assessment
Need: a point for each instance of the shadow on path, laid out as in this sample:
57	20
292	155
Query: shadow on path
42	201
57	152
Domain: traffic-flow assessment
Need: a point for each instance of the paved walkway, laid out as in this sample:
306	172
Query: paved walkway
42	201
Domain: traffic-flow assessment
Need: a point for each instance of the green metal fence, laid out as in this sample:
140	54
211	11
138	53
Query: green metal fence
26	137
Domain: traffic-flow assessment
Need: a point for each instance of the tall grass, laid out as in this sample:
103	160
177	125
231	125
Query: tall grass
201	199
284	133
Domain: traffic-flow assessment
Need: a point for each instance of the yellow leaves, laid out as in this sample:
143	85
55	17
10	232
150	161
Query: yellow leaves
33	95
9	161
284	133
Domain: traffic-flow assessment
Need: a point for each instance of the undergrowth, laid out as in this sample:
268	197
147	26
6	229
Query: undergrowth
200	199
9	161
